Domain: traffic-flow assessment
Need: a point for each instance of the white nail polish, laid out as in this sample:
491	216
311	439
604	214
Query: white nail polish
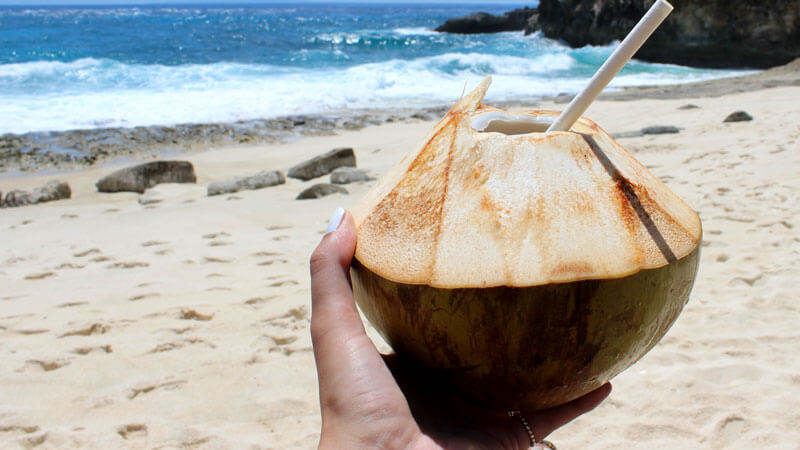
336	219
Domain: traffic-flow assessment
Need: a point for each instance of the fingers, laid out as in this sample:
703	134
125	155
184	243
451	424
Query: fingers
356	388
549	420
333	311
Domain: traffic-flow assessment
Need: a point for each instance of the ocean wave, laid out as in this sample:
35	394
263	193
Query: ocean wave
415	31
89	93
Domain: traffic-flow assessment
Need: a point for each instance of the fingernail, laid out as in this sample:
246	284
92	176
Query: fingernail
336	220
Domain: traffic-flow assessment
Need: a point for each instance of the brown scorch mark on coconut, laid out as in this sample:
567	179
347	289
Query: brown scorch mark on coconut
630	200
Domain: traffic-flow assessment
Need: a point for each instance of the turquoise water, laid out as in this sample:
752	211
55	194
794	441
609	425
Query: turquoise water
68	67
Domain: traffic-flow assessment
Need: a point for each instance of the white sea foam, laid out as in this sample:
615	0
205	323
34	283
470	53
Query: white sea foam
90	93
414	31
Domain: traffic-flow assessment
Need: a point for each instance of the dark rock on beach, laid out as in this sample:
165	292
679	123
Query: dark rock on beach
661	129
258	181
347	175
738	116
54	190
139	178
482	22
321	190
323	164
701	33
655	129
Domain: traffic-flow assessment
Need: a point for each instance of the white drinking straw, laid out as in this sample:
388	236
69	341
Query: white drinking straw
629	46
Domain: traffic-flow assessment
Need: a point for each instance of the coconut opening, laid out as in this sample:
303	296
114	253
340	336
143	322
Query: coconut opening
511	124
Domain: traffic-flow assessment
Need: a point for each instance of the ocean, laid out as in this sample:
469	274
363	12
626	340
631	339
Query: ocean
66	68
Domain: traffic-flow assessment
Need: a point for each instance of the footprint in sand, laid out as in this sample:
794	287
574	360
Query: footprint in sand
111	210
136	298
26	222
294	319
91	251
216	235
47	366
215	275
732	428
133	431
147	388
190	314
163	252
281	344
259	300
35	441
265	254
27	429
32	331
169	346
218	288
39	276
272	261
86	350
219	243
152	243
95	328
71	304
234	197
69	265
749	281
100	259
69	216
278	227
284	283
128	265
211	259
280	238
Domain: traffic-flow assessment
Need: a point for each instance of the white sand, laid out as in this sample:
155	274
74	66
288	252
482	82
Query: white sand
185	323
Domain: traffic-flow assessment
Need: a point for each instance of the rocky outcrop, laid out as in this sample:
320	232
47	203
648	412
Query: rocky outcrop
702	33
139	178
321	190
482	22
323	164
54	190
347	175
258	181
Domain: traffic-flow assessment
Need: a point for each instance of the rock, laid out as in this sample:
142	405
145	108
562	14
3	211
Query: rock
689	106
701	33
323	164
347	175
487	23
738	116
661	129
321	190
258	181
140	178
54	190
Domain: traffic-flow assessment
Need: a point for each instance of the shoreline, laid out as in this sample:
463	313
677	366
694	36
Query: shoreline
45	151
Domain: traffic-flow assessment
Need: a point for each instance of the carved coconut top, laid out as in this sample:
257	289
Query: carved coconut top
482	209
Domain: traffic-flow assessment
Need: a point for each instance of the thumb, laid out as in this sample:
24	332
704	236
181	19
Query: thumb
333	310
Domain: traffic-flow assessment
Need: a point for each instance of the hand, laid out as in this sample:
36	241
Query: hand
371	401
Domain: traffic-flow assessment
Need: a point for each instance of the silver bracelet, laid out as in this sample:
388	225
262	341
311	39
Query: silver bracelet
529	430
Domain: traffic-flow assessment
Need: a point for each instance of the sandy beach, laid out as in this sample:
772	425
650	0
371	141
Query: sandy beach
185	323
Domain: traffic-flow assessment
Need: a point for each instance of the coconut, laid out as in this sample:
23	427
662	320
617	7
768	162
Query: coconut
524	268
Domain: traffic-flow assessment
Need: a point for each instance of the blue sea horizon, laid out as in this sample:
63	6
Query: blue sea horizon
83	67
